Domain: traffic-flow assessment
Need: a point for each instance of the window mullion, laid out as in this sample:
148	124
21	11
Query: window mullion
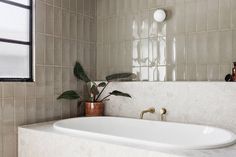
15	4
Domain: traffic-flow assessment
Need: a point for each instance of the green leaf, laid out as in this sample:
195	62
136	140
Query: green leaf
102	84
121	77
119	93
94	90
80	73
70	95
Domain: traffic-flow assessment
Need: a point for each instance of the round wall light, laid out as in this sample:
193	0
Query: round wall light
160	15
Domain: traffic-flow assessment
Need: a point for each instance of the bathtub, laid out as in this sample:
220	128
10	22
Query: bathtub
147	134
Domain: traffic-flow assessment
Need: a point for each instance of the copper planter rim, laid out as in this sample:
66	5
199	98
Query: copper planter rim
94	108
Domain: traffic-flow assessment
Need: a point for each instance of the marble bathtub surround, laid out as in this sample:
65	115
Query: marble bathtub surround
32	141
207	103
195	43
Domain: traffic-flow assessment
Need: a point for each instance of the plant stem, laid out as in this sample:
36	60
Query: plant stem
106	97
102	91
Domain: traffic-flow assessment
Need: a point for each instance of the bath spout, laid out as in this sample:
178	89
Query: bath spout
150	110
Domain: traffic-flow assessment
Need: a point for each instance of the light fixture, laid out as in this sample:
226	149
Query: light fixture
160	15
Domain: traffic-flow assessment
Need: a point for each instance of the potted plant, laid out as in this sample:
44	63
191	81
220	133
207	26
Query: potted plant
94	104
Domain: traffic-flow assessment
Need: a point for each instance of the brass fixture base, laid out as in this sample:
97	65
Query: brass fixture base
163	112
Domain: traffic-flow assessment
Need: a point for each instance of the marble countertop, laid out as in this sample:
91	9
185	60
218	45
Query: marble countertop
222	152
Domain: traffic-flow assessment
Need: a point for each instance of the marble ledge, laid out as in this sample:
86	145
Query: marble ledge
42	140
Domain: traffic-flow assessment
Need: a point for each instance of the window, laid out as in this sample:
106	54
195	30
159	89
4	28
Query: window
16	40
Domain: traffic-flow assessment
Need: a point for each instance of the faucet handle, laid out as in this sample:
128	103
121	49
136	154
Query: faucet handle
163	112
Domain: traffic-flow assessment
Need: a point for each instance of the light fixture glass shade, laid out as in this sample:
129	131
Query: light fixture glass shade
160	15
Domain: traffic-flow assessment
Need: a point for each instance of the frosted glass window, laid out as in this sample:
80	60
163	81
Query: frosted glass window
16	40
14	60
14	22
24	2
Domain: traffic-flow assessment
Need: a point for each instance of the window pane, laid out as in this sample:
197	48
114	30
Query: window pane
25	2
14	60
14	22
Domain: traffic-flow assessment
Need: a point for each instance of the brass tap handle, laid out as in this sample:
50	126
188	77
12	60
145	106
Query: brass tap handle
163	113
150	110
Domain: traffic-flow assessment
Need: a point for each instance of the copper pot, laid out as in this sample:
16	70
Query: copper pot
94	109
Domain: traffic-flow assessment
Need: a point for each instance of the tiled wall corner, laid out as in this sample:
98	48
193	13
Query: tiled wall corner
59	43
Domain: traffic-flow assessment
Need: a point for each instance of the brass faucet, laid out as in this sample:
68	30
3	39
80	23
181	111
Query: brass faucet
150	110
163	113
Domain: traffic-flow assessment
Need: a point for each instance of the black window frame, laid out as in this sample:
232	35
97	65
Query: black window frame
29	43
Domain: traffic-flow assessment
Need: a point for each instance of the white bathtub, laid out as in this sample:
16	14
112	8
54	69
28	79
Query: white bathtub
148	134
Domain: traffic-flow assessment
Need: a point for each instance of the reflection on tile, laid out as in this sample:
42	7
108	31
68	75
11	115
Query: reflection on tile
144	74
181	72
171	73
161	73
194	35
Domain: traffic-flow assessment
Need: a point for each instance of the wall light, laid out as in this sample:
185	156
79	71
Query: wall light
160	15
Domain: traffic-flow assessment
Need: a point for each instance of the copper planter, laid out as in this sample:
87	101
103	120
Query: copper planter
94	109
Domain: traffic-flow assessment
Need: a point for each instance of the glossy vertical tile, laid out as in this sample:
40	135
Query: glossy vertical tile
65	24
40	48
225	14
49	52
57	21
226	47
213	47
191	48
194	34
41	17
201	72
213	72
213	14
49	19
233	13
190	15
80	6
73	5
202	48
201	19
19	113
57	51
73	26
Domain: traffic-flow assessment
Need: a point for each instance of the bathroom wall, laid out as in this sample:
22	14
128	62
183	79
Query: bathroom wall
196	43
208	103
64	33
